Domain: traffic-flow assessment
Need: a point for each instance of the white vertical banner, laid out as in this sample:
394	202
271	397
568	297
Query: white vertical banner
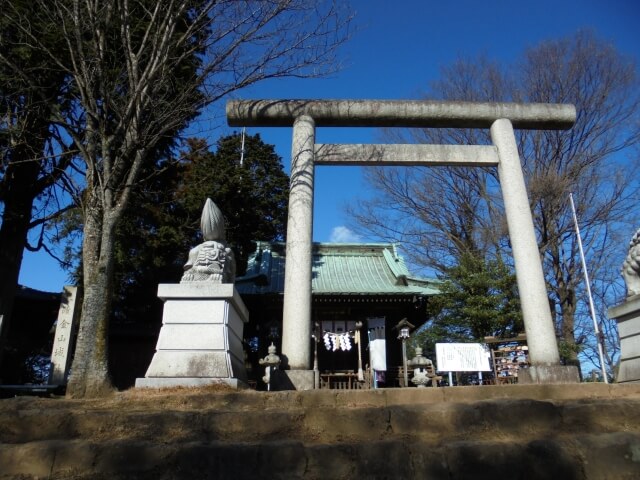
462	357
377	343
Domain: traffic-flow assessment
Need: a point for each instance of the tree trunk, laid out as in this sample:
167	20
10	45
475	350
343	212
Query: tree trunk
18	202
89	372
567	319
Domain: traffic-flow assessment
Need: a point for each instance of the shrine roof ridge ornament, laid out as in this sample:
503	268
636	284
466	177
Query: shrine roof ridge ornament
400	113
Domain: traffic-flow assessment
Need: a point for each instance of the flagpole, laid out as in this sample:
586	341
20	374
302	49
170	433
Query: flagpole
244	129
588	283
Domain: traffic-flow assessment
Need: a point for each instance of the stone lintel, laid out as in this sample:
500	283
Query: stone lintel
204	291
426	155
400	113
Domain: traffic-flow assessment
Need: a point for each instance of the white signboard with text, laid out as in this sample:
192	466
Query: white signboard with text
463	357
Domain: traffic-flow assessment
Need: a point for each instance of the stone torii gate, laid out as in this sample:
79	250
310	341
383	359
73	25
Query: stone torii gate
500	118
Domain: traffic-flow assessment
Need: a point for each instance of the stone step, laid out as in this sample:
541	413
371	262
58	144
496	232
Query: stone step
592	457
504	419
570	432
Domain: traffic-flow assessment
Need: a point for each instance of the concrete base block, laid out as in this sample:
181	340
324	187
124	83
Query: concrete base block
548	374
188	382
196	364
627	316
629	371
292	380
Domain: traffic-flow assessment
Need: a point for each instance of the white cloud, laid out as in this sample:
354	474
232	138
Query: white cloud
342	234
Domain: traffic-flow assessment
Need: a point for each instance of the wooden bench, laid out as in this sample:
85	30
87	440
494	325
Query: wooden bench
344	381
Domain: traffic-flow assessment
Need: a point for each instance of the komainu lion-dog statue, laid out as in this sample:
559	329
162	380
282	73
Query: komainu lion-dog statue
631	266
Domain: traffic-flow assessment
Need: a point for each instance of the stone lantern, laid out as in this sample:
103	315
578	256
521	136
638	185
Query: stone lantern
420	363
404	332
271	361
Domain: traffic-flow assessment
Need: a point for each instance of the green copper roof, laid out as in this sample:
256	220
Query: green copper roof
337	269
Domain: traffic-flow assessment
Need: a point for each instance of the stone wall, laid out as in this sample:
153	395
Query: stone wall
586	431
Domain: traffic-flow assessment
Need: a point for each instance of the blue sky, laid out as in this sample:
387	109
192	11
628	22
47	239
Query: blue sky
397	49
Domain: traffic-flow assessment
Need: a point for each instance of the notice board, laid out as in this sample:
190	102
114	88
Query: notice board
463	357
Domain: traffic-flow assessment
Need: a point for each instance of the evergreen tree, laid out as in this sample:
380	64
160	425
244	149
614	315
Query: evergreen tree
478	299
163	222
252	196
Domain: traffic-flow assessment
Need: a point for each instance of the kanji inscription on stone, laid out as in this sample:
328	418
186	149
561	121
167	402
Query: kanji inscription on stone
61	352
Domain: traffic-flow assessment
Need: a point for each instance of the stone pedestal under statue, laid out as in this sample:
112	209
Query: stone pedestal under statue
627	316
200	341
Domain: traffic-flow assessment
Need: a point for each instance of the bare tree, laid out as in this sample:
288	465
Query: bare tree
440	213
591	160
603	85
141	70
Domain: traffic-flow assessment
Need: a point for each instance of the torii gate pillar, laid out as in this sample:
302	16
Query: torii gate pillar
296	316
541	340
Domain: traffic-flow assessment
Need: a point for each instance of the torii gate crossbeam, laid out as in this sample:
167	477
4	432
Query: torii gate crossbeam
500	118
409	155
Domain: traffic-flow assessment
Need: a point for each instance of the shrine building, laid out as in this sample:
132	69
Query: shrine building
359	290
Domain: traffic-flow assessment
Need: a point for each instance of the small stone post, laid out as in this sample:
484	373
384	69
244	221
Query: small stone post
62	342
296	322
